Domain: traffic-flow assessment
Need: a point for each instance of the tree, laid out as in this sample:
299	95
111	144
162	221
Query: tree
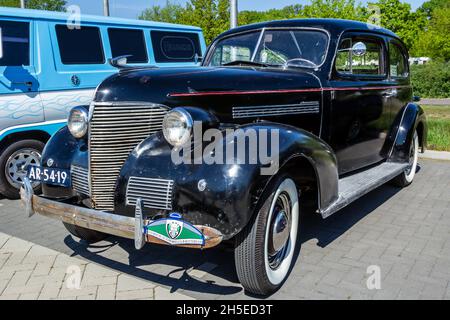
213	16
169	13
398	17
51	5
434	42
341	9
428	7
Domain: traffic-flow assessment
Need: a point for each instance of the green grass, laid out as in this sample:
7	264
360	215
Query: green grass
438	118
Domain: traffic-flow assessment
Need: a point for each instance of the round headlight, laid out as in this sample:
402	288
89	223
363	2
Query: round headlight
78	122
177	127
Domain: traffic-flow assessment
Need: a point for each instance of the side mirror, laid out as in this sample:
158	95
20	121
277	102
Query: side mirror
416	98
119	62
359	49
198	59
1	44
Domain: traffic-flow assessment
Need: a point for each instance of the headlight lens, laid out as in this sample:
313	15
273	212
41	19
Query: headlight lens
177	127
78	122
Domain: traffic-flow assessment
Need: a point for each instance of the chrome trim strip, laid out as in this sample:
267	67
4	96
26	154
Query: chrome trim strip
154	193
276	110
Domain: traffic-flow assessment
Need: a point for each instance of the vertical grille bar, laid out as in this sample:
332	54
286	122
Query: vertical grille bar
115	130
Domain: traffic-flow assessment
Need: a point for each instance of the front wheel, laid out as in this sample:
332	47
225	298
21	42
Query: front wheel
14	161
407	176
265	248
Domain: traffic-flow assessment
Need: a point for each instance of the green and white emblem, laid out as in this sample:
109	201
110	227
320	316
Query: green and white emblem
175	231
174	228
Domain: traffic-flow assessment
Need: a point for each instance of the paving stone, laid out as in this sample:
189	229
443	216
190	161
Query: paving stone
403	231
135	294
165	294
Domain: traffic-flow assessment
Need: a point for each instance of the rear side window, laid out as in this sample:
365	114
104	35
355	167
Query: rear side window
80	46
397	60
370	63
16	43
175	46
128	42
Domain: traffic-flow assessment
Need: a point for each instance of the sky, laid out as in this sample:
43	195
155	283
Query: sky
132	8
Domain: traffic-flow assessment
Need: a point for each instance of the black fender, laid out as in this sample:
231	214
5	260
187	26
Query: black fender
65	150
232	190
412	118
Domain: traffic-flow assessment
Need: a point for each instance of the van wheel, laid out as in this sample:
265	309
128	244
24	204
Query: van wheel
407	176
265	248
14	161
88	235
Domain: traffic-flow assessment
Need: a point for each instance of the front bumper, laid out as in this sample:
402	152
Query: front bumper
123	226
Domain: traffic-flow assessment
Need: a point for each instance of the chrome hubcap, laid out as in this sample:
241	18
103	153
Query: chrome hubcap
17	165
280	228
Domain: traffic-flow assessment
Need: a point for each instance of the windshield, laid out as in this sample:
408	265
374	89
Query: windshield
303	48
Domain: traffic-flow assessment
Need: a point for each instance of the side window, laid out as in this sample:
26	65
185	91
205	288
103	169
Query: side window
370	63
175	46
397	61
80	46
128	42
16	43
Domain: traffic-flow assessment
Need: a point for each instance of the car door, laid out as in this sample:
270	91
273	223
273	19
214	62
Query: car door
359	119
19	99
398	77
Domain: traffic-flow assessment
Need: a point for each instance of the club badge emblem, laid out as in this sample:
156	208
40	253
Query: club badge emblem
174	228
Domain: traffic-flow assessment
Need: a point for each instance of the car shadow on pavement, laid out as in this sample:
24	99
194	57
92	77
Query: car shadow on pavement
170	266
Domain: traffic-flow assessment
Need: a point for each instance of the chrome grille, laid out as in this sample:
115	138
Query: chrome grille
275	110
115	130
155	193
80	179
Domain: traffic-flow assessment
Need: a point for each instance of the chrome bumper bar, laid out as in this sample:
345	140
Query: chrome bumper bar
122	226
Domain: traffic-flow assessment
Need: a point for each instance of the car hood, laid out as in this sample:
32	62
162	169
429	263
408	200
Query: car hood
204	86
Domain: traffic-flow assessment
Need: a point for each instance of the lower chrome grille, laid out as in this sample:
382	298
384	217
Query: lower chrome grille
80	179
155	193
115	130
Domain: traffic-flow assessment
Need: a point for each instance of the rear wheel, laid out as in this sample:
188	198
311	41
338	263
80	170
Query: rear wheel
14	161
265	248
407	176
88	235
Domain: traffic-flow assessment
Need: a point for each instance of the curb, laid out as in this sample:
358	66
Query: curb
435	155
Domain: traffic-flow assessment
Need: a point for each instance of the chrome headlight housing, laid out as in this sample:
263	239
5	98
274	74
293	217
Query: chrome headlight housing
177	127
78	122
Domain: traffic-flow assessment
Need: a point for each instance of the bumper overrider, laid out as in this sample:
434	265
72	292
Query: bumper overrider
168	231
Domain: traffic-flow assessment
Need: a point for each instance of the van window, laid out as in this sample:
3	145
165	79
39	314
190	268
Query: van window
128	42
175	46
16	43
80	46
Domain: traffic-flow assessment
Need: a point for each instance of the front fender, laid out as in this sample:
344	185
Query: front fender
232	189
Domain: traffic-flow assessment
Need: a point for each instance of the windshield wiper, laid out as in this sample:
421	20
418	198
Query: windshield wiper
247	63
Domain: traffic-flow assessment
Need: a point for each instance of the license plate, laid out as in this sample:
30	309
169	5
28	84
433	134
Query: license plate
54	176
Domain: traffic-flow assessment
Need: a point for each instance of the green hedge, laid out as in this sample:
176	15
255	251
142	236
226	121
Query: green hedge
431	80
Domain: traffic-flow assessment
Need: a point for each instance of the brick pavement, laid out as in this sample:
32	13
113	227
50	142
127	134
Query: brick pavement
406	232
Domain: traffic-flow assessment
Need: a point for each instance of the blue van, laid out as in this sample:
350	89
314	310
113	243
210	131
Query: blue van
51	63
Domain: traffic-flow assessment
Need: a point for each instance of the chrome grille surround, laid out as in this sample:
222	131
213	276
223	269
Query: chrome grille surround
80	179
115	129
155	193
275	110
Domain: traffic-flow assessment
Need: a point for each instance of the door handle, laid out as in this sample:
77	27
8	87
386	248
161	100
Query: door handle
390	93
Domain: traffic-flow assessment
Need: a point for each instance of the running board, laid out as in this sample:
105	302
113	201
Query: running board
355	186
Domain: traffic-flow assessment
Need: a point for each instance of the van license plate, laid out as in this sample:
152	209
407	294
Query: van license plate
54	176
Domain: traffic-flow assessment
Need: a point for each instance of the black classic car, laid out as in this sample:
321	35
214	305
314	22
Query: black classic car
320	112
